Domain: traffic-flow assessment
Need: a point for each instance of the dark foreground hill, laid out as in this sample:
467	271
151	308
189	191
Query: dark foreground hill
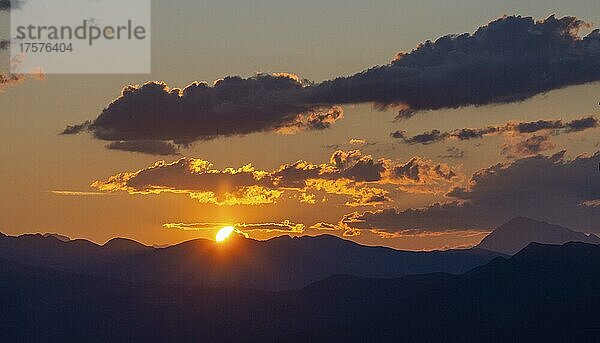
519	232
276	264
544	293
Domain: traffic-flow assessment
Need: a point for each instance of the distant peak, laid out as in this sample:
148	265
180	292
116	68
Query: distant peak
519	232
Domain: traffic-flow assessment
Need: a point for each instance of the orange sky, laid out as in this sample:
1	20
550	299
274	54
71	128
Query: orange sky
53	183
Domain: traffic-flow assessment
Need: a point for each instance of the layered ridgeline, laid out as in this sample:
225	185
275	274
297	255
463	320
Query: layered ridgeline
542	294
275	264
519	232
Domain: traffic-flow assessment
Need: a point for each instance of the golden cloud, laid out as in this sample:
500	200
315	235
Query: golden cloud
285	226
358	178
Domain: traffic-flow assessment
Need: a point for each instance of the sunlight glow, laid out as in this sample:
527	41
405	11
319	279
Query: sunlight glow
224	233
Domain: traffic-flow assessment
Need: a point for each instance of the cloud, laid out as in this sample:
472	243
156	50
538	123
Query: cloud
360	195
453	152
232	106
359	142
555	126
285	226
348	167
522	56
347	230
527	147
422	138
147	147
358	178
77	193
195	226
9	80
551	188
198	179
428	234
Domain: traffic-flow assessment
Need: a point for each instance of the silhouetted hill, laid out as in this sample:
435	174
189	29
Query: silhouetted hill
519	232
125	245
276	264
78	255
542	294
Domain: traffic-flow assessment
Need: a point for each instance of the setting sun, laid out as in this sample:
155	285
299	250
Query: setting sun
224	233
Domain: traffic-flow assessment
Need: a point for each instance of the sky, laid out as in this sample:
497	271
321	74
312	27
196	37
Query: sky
373	170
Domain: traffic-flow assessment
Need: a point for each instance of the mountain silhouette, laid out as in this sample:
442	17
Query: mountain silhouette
544	293
276	264
57	236
519	232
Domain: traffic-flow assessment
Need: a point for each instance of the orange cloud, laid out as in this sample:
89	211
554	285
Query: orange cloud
285	226
359	178
9	80
341	226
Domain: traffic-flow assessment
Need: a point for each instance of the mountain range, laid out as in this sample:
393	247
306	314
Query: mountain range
319	289
276	264
544	293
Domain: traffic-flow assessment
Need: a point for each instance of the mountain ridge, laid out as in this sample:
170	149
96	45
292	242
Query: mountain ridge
276	264
517	233
545	293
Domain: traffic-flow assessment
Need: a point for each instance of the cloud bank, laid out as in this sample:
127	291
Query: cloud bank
510	59
352	175
551	188
512	128
232	106
285	226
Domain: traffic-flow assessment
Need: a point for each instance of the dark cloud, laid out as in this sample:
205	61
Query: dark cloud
555	126
583	124
146	147
453	152
522	56
526	147
551	188
423	138
420	170
232	106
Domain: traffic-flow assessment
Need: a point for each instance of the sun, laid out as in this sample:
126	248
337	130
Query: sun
224	233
